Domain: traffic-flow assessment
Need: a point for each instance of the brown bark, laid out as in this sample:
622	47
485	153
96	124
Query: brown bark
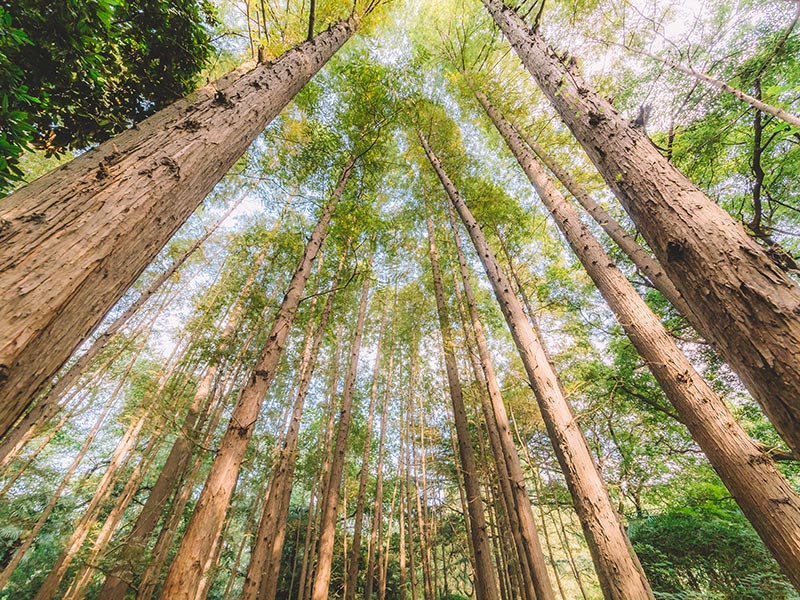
74	240
376	531
51	583
617	566
741	301
261	580
361	499
330	501
31	536
116	584
49	405
205	525
766	498
646	264
77	588
309	548
485	578
499	430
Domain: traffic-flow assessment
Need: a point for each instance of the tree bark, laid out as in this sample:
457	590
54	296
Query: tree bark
74	240
330	502
261	580
529	546
646	264
485	577
205	525
374	553
361	500
741	301
618	568
118	580
49	405
766	498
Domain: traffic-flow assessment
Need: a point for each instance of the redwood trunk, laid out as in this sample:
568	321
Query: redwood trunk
526	537
361	500
485	579
207	520
740	300
618	568
74	240
646	264
265	559
330	502
766	498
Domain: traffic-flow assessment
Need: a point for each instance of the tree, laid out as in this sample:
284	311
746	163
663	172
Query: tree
732	287
128	195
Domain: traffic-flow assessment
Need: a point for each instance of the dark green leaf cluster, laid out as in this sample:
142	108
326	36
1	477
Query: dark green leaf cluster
75	72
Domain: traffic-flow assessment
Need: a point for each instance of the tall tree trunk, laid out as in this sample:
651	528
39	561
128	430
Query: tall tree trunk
261	580
5	575
361	500
49	405
769	502
205	525
618	568
485	578
646	264
422	504
74	240
118	580
77	588
741	301
499	430
309	548
330	502
51	583
375	539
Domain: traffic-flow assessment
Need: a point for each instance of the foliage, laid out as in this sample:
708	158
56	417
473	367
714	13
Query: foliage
75	72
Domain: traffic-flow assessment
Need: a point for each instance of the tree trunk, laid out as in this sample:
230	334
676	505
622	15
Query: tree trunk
618	568
74	240
524	526
118	580
646	264
51	583
741	301
49	405
769	502
353	567
205	525
31	536
265	558
330	502
309	548
77	588
375	539
485	579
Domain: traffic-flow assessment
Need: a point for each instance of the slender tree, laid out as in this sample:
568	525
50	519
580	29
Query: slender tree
767	499
207	519
74	240
526	537
361	499
740	300
618	568
486	579
330	501
261	580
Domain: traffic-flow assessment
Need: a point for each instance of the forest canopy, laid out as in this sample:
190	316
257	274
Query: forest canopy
400	299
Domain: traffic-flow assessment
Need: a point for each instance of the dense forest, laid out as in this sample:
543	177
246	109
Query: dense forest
400	299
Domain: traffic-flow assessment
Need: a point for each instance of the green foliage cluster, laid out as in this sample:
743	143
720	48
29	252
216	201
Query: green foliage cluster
75	72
